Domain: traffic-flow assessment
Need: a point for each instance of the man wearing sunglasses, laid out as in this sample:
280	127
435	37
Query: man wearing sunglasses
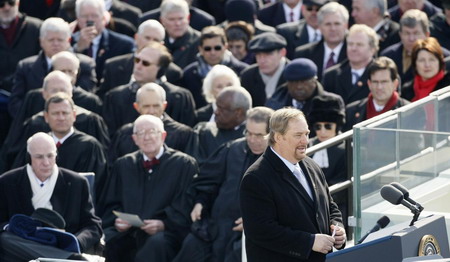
150	64
211	51
383	83
305	30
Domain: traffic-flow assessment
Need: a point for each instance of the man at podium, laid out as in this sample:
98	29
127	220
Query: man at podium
286	206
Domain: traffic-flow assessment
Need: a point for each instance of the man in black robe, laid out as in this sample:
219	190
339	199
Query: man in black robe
233	102
42	184
77	151
216	193
150	100
150	183
150	63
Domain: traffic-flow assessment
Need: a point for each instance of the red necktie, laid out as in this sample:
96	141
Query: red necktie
58	144
330	61
291	15
148	164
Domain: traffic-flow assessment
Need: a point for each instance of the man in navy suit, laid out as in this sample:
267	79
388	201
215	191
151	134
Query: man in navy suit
333	24
287	209
93	39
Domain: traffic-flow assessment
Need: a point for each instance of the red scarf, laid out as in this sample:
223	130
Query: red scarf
371	112
423	88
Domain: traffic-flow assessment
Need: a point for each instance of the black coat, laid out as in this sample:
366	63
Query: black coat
118	71
126	12
280	219
388	33
253	82
39	8
25	44
193	82
273	14
198	19
31	72
70	198
440	30
316	52
338	80
295	34
185	48
356	112
428	8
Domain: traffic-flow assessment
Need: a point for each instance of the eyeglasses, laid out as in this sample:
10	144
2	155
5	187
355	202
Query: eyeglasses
145	63
318	127
250	134
209	48
312	8
149	132
378	83
10	2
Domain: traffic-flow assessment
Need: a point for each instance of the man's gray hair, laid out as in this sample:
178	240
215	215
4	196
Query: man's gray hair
241	97
60	75
169	6
414	17
151	119
99	4
151	87
154	25
381	5
332	8
54	24
260	114
371	34
39	135
68	55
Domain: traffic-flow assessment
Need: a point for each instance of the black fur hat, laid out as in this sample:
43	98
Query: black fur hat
327	108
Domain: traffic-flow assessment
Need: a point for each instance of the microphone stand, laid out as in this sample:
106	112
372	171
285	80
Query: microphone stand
416	213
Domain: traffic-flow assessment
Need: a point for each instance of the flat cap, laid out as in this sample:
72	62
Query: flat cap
267	42
49	218
300	69
315	2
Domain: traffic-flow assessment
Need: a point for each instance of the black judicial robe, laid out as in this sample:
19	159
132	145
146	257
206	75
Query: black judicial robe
160	194
87	122
208	138
177	137
220	178
80	153
118	107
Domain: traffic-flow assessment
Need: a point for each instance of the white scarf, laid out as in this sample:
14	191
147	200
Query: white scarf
321	158
272	81
41	195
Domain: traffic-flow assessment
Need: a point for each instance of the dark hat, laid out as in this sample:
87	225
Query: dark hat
240	10
49	218
446	4
267	42
300	69
315	2
327	108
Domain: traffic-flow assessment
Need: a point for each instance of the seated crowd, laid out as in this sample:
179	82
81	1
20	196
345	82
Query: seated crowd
168	103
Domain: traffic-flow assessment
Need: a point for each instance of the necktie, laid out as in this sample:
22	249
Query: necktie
90	52
330	61
58	144
148	164
302	179
316	36
291	16
355	78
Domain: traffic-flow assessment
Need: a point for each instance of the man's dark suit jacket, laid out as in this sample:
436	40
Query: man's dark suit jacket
280	219
118	70
338	80
31	72
316	52
295	34
356	111
25	44
396	13
198	18
273	14
388	33
185	48
70	198
440	29
126	12
111	44
253	82
39	8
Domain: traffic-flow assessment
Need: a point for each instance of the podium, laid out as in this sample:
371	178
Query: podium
398	242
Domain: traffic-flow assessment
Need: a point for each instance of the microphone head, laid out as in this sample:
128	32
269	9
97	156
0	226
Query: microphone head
402	189
391	194
383	221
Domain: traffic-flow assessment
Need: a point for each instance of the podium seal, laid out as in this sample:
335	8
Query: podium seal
429	246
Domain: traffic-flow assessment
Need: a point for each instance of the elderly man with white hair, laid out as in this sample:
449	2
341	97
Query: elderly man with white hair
118	70
93	39
54	37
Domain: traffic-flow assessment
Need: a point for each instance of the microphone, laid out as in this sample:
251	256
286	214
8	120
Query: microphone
381	223
395	197
406	194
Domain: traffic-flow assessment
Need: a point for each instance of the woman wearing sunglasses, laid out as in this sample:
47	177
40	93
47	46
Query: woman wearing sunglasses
429	70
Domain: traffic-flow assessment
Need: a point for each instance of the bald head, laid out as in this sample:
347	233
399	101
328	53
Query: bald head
56	81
